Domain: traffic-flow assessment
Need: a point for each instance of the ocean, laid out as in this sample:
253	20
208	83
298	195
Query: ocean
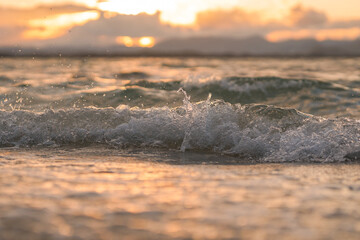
179	148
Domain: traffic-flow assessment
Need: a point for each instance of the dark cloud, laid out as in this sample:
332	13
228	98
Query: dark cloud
346	24
302	17
10	35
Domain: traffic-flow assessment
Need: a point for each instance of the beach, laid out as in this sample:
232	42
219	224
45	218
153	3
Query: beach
181	119
179	148
102	193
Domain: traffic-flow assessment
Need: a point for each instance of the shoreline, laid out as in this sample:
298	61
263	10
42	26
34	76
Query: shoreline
96	193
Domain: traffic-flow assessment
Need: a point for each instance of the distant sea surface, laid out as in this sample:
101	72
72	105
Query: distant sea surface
183	148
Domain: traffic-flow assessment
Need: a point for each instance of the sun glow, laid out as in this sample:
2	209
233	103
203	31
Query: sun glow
129	7
184	12
174	12
125	40
57	25
128	41
146	42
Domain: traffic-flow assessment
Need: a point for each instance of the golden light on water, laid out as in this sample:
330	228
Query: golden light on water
128	41
57	25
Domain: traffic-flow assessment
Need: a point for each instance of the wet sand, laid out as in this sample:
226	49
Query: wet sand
100	193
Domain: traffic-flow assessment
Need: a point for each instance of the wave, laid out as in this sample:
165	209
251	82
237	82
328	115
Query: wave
250	90
6	80
319	98
244	89
311	96
263	133
131	75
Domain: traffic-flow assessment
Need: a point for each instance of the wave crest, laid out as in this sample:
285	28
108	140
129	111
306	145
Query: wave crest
259	132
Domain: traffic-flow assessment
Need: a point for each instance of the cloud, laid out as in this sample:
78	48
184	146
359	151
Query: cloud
28	26
303	17
226	18
235	23
106	29
34	3
299	23
14	22
336	34
237	18
15	16
346	24
307	23
10	35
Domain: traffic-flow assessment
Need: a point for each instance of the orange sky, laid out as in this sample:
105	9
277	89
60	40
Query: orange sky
36	21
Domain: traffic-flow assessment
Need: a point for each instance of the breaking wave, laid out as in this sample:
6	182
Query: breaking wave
263	133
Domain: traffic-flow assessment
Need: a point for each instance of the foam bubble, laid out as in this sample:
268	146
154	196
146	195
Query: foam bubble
259	132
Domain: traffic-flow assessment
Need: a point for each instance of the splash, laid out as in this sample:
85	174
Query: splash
263	133
195	118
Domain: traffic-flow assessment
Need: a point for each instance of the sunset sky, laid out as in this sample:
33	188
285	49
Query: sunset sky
143	23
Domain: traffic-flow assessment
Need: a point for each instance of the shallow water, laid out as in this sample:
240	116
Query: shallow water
101	193
179	148
324	86
265	109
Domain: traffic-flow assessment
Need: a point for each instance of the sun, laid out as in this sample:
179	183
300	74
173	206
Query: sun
127	41
147	42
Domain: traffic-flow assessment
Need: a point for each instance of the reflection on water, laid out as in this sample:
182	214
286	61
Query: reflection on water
98	193
60	189
324	86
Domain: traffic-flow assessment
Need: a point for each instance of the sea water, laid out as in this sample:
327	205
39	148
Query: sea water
97	148
262	109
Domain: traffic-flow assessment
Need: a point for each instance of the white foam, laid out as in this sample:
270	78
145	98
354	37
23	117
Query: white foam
260	132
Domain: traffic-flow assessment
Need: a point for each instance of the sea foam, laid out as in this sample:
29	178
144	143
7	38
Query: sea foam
263	133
